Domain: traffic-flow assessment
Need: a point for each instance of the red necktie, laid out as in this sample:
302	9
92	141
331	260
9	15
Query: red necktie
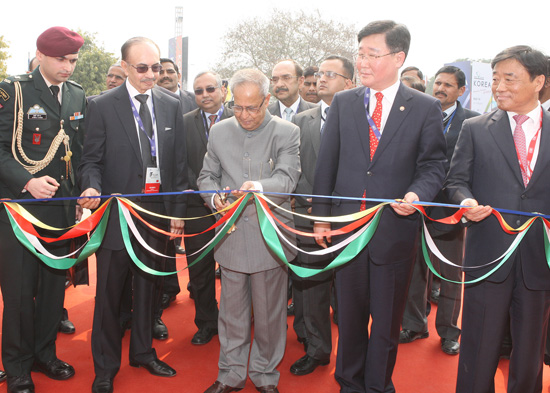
521	146
213	119
377	117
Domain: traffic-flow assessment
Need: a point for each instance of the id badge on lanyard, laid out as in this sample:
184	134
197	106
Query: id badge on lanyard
152	180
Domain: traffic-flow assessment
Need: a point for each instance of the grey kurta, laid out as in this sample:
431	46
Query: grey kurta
268	155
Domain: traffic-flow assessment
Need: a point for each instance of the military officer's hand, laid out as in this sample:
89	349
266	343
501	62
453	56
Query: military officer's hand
42	187
89	203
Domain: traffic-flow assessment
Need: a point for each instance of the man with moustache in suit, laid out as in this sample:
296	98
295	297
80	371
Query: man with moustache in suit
501	160
312	295
382	140
136	145
449	84
308	91
286	79
209	95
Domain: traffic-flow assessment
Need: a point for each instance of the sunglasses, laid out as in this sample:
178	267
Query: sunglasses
209	89
143	68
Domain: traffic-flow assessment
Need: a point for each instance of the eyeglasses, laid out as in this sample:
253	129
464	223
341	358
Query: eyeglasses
209	89
328	74
253	110
143	68
284	78
371	58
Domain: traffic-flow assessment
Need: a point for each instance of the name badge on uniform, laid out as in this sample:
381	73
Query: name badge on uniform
152	180
36	112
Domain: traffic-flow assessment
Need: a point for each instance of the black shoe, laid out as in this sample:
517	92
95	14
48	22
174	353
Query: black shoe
546	360
434	296
218	387
204	335
290	309
450	347
102	385
20	384
304	341
180	250
156	367
505	351
218	272
2	376
55	369
166	300
66	327
306	365
125	325
160	331
408	336
191	296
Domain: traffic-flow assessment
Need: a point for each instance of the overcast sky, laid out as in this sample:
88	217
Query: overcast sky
440	34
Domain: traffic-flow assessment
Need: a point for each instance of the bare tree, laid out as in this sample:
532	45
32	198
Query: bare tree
306	38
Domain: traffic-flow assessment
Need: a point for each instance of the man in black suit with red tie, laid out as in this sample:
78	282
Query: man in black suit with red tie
382	140
136	138
501	160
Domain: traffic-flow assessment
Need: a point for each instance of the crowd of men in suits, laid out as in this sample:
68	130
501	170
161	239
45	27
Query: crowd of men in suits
321	135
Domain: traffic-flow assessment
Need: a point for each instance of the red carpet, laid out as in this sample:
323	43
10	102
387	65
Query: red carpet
421	366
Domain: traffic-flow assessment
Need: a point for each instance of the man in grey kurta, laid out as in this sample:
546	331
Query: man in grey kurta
251	151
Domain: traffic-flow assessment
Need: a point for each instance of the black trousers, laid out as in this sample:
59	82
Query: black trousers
33	297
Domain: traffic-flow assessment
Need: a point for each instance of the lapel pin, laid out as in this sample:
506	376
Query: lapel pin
402	108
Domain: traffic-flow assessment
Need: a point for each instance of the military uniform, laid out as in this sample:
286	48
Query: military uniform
33	293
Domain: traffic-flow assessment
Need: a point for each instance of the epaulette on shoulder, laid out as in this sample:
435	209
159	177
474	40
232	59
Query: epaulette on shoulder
75	84
18	78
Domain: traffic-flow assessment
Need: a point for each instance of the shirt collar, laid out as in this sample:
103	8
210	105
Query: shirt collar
48	83
294	106
324	105
534	115
389	92
546	105
449	111
133	91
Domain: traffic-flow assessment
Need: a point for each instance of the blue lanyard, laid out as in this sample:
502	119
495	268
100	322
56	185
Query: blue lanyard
369	118
219	116
152	144
449	123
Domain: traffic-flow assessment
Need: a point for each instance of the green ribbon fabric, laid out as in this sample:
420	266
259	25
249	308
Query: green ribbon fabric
65	263
147	269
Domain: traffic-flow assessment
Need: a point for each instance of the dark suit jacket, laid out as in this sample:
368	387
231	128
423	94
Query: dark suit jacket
275	109
485	167
451	138
196	143
409	157
187	100
112	160
310	141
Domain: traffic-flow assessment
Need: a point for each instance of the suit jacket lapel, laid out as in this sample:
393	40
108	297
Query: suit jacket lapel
502	134
358	109
45	93
315	127
160	117
199	124
126	117
399	110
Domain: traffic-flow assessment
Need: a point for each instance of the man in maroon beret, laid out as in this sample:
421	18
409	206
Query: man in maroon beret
36	165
